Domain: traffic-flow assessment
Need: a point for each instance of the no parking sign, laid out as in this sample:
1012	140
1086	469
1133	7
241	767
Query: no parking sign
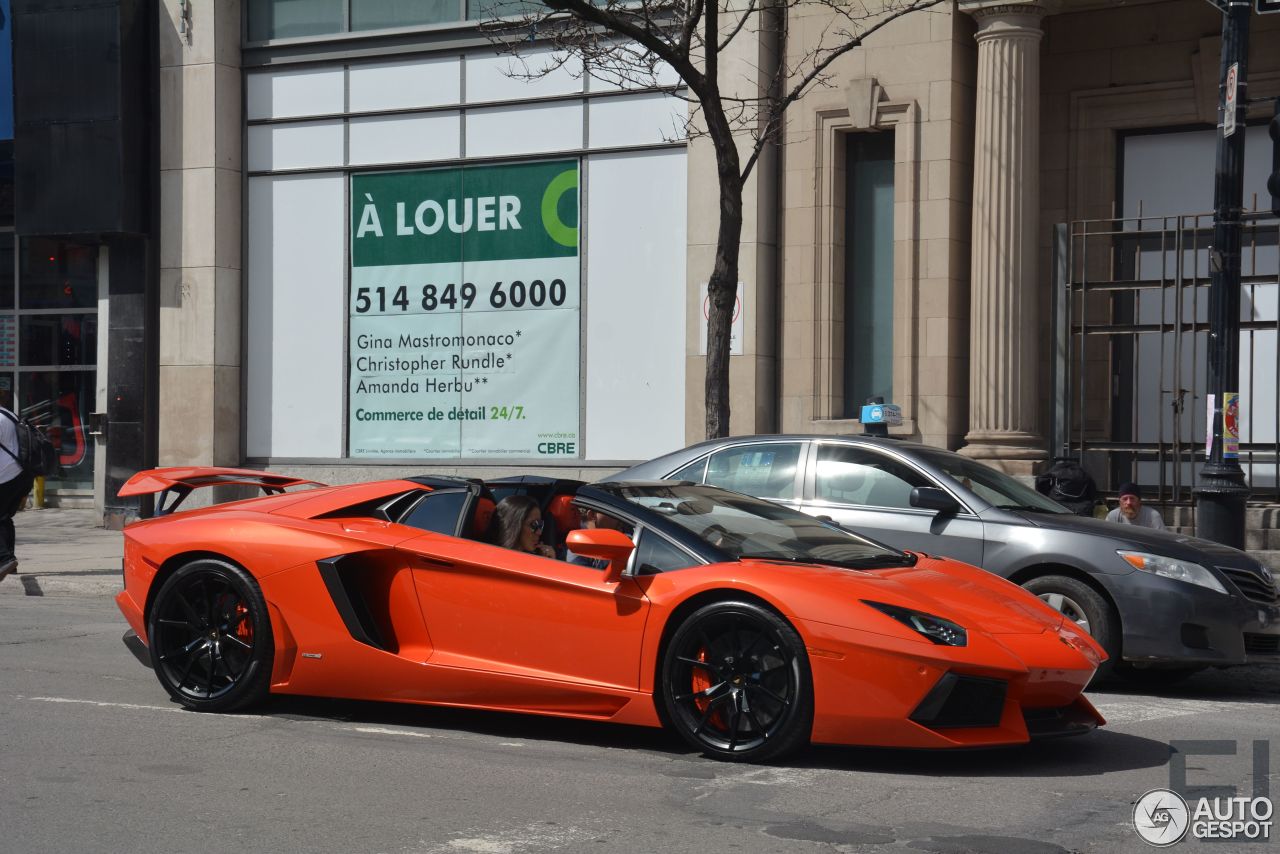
737	327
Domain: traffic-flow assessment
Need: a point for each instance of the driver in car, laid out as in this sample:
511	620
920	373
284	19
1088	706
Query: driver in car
592	519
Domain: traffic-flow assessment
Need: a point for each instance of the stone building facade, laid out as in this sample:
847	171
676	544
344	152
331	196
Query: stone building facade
1006	119
972	129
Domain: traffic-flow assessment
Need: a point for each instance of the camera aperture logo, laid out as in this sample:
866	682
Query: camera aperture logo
1161	817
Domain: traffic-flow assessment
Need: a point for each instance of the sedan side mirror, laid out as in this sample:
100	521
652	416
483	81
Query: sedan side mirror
933	498
603	544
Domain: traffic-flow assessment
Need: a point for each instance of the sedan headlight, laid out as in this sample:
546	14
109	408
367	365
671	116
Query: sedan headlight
1179	570
940	631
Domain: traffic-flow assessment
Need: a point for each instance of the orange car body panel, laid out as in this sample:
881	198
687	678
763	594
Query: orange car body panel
470	624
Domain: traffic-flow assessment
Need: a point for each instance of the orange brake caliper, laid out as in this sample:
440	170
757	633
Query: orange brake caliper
702	680
244	628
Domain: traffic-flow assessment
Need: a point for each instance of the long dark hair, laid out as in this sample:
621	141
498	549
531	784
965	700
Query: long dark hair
508	520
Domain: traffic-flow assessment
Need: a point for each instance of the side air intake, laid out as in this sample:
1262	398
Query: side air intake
339	578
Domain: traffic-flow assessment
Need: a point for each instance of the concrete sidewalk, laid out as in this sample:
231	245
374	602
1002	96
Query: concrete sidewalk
64	552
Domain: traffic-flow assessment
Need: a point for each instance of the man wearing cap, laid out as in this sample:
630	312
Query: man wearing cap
1131	511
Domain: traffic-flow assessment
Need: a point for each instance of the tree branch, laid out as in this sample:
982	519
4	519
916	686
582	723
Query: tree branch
690	26
609	20
751	7
712	60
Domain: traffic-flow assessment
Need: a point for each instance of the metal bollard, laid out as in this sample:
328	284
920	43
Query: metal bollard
37	493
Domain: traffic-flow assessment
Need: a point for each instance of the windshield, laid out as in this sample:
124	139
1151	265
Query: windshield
995	487
744	527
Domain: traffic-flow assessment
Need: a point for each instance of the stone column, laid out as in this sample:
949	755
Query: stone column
1005	320
200	181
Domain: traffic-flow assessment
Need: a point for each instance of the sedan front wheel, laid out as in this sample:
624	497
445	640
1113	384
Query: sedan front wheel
1085	607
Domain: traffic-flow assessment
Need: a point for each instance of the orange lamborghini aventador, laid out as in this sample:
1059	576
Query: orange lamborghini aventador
748	628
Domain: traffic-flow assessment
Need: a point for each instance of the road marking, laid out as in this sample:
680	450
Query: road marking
731	777
100	704
1132	710
367	730
537	836
378	730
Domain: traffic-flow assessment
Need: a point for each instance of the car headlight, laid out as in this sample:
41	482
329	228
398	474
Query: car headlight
940	631
1179	570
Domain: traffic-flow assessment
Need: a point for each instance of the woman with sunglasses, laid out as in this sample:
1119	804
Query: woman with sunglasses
517	524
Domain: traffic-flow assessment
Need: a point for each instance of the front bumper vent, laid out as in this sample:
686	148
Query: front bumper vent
1058	723
962	701
1255	644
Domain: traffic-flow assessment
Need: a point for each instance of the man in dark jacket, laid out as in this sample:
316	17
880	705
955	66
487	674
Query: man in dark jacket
1131	511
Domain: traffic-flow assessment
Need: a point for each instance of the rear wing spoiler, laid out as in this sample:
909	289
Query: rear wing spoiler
175	484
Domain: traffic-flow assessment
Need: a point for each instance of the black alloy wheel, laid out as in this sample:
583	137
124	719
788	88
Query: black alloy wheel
210	637
736	683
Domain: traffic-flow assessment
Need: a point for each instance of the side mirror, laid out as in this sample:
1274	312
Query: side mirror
603	544
933	498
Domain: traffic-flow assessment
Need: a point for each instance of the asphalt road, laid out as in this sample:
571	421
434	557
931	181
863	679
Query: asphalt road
93	757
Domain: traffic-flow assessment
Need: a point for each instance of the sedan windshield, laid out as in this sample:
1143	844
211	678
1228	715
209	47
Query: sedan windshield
994	487
744	527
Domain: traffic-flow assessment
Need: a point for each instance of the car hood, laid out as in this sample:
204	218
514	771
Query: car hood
1133	537
955	591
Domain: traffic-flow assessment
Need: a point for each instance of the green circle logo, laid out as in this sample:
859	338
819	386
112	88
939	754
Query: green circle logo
565	235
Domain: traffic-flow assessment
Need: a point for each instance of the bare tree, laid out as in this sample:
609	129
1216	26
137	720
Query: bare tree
632	42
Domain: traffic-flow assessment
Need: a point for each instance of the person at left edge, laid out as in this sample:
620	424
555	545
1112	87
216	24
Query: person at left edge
14	485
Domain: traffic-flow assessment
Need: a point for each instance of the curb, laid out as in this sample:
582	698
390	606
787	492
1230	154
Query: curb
105	582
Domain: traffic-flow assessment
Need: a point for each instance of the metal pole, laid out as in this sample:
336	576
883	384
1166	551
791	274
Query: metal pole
1221	495
1061	343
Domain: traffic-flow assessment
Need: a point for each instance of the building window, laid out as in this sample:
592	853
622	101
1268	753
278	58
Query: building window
49	346
387	14
6	127
868	266
287	19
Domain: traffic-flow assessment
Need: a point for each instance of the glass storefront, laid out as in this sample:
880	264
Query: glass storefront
49	346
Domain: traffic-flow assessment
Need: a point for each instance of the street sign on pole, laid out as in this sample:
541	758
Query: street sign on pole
1266	7
1229	105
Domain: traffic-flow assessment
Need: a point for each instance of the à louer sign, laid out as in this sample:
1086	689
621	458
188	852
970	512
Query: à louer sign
464	312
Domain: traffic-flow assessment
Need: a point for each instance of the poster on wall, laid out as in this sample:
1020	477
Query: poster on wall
464	312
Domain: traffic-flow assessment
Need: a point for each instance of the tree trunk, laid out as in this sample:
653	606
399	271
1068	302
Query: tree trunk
722	289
